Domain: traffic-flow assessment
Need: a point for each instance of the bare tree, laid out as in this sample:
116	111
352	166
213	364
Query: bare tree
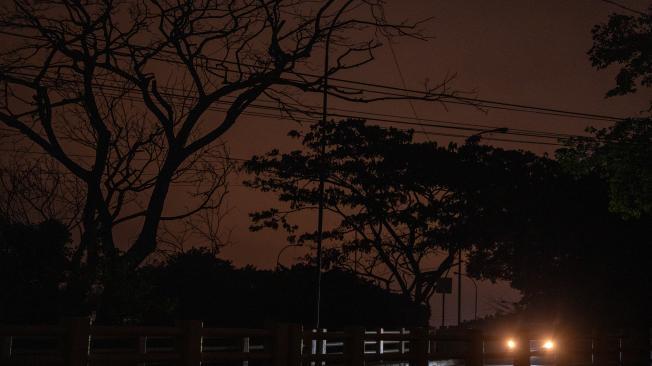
36	190
131	97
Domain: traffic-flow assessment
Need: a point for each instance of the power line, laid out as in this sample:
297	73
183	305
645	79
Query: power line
363	115
624	7
449	98
220	158
455	123
400	74
277	118
536	134
453	99
427	133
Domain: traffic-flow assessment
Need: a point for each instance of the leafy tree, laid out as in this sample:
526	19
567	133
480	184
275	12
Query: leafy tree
626	41
198	285
520	217
35	269
601	258
552	236
620	153
393	201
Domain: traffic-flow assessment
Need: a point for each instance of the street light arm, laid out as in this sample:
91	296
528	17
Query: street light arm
475	138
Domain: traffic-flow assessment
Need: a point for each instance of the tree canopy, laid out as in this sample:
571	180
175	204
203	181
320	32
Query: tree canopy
395	214
36	275
620	153
197	285
552	235
625	40
400	210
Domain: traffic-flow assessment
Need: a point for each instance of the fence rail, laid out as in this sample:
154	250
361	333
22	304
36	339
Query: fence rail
77	343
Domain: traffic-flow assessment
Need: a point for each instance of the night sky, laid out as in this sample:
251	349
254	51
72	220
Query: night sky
528	52
516	51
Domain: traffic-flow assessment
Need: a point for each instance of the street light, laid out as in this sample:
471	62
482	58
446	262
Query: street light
322	178
475	138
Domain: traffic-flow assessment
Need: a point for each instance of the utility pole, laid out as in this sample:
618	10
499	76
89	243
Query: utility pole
475	285
443	309
322	178
322	173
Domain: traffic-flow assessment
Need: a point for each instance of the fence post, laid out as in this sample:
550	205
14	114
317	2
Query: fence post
380	346
419	346
246	349
142	345
636	347
279	344
295	345
475	352
77	341
522	352
5	352
601	351
190	342
354	346
564	345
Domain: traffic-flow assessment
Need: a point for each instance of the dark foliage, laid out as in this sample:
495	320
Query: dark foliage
625	41
197	285
521	217
551	235
33	269
620	153
394	203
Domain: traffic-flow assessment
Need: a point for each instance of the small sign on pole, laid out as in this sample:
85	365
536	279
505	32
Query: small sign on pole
444	285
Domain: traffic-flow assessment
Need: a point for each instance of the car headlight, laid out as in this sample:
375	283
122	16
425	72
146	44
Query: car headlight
511	344
548	345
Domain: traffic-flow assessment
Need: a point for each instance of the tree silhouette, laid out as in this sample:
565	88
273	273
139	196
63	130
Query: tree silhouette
625	40
198	285
398	204
131	97
620	153
195	284
551	235
34	191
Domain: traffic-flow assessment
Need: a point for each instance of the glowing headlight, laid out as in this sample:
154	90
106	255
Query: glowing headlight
511	344
548	345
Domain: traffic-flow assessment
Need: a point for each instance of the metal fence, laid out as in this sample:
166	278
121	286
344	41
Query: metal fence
75	343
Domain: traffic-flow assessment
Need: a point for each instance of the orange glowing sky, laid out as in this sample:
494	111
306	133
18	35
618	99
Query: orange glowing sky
529	52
